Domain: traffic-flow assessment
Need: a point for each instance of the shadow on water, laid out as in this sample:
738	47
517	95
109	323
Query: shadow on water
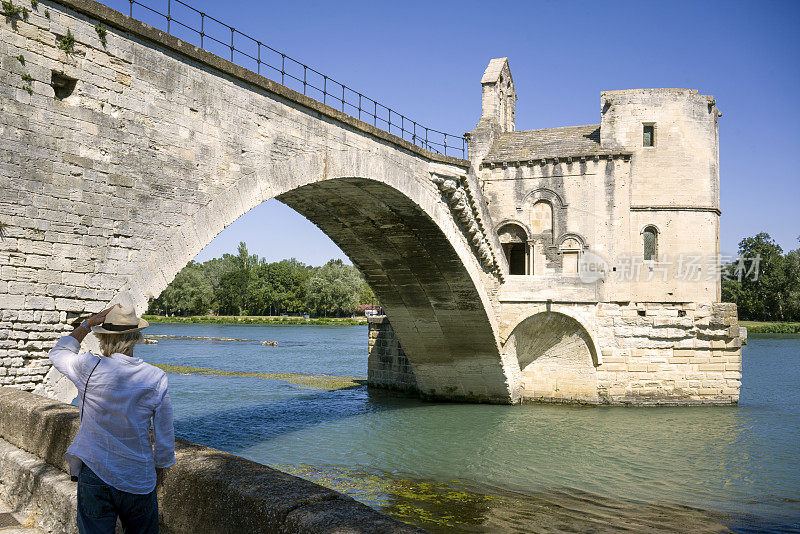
237	429
462	468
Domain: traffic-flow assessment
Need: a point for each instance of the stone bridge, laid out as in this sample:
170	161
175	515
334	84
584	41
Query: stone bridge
122	160
126	152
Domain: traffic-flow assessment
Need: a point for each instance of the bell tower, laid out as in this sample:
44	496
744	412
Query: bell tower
498	108
499	97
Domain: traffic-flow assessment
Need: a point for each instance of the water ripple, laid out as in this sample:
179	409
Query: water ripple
553	468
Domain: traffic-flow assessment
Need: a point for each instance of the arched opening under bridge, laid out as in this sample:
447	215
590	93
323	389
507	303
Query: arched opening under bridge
424	274
557	358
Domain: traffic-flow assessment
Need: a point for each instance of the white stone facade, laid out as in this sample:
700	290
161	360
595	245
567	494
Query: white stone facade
630	353
646	327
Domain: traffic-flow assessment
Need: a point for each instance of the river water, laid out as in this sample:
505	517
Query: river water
483	468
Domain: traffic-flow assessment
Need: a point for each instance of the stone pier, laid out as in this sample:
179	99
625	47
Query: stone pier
387	364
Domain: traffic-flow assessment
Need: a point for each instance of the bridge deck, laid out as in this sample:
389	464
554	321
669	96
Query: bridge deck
136	27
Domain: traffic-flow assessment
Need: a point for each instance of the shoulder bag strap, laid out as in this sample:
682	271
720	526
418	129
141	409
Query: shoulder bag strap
83	403
72	477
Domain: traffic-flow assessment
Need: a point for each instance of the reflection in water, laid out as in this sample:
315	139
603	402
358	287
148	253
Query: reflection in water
481	468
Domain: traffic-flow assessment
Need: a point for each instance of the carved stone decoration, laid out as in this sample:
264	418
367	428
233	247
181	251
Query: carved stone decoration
457	194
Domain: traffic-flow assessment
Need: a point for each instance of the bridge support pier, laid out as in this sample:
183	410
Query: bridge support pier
631	353
388	366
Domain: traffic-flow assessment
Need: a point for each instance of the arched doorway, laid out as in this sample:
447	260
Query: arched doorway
514	241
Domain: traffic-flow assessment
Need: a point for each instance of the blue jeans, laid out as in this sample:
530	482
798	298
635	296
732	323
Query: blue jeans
99	505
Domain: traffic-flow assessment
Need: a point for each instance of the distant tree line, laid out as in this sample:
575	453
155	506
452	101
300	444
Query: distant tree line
771	290
244	284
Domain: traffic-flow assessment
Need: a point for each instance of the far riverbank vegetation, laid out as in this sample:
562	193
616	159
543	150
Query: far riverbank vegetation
255	319
761	327
770	301
246	289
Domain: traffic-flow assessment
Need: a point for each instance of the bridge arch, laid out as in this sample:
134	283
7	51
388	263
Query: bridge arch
557	357
402	236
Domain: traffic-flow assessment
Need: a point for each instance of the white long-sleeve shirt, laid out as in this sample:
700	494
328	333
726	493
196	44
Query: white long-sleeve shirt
123	395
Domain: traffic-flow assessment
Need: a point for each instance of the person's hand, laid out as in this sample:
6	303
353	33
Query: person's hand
99	318
160	475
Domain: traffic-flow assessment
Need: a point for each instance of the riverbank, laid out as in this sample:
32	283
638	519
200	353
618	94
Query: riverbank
770	327
255	319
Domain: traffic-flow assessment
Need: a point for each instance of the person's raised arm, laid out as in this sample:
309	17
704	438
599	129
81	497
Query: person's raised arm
86	326
64	354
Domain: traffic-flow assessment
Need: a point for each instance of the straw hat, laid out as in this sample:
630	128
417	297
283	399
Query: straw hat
121	320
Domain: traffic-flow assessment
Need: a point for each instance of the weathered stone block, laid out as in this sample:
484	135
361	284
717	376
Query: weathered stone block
711	367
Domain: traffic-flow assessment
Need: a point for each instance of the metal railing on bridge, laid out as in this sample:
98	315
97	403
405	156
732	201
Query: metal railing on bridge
225	41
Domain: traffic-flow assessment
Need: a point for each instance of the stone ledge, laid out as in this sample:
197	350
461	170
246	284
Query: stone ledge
30	485
206	491
125	23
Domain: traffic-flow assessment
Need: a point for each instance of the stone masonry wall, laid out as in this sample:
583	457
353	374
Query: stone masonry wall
635	353
669	354
388	367
161	145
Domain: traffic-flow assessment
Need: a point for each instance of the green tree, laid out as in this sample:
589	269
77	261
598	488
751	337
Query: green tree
335	288
233	297
791	267
763	294
214	270
288	280
189	293
261	295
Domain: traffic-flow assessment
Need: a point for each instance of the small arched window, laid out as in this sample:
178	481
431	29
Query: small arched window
570	251
650	242
542	218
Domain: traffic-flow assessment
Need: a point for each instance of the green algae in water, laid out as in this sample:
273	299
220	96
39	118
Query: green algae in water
449	507
199	338
310	381
435	506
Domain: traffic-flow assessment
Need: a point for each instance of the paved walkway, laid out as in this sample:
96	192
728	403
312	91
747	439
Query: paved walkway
13	523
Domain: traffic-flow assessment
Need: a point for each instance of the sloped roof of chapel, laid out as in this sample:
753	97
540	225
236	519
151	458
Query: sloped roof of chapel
547	143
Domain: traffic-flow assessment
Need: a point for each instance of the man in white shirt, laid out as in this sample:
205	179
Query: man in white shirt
116	464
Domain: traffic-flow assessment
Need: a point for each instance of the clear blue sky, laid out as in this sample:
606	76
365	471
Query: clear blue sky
425	59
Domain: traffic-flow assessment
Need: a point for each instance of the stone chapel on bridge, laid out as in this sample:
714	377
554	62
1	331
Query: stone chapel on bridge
639	191
610	234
